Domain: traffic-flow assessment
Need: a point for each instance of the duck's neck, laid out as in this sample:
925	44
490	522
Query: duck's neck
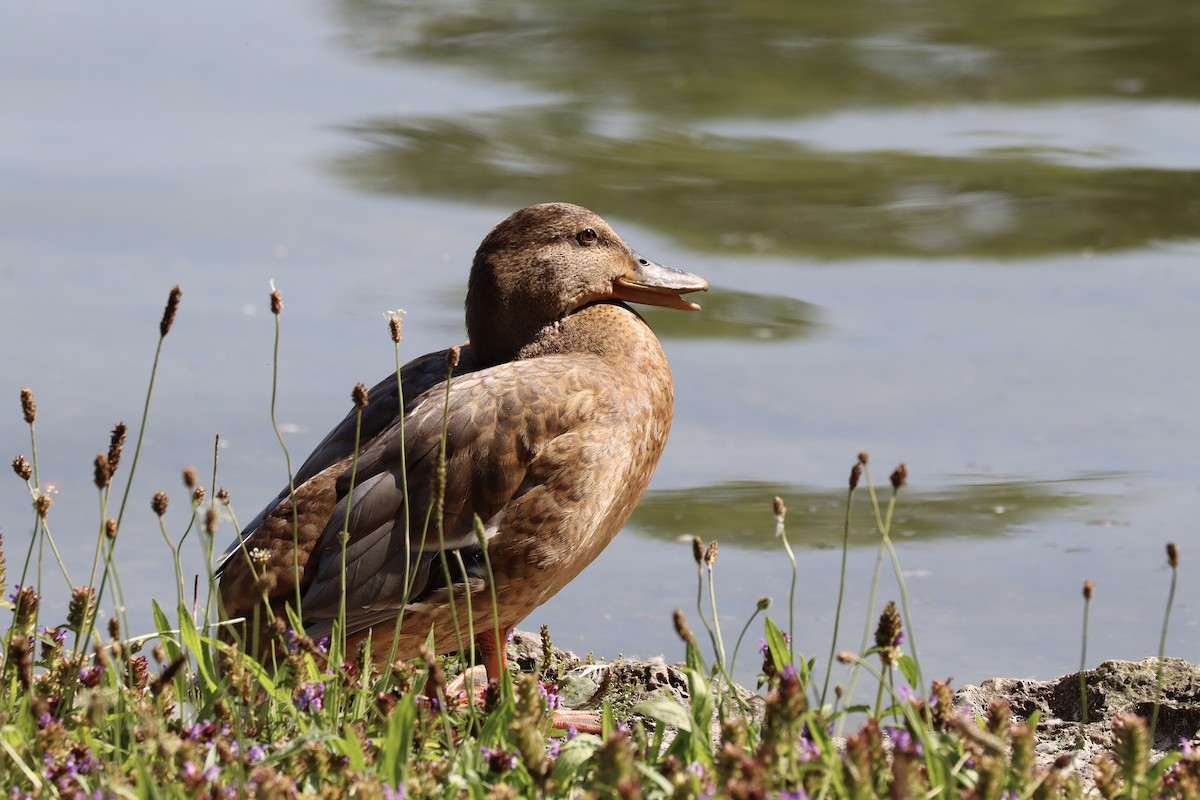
611	330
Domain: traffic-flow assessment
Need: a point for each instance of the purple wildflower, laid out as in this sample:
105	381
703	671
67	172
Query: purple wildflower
256	753
310	696
194	776
393	793
549	693
202	732
90	676
903	741
499	760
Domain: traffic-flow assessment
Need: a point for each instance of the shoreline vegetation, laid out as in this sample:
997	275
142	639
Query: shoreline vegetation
92	711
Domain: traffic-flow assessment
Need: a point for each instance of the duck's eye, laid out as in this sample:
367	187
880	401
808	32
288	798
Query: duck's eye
586	236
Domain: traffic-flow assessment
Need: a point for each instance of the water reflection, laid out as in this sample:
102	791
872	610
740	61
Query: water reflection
765	58
771	196
672	118
739	513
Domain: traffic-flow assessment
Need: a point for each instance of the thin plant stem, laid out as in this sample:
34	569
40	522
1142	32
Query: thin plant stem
738	645
1083	704
1173	562
439	501
837	615
162	526
462	569
719	642
409	577
344	535
700	606
781	532
908	623
481	535
164	328
277	307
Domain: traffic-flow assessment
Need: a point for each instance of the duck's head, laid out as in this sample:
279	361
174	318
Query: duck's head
547	261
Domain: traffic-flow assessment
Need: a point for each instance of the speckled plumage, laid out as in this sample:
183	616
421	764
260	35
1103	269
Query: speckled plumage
556	416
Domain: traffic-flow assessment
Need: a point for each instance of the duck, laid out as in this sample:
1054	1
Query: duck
546	425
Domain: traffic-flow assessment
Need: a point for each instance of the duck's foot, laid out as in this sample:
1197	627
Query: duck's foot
563	719
566	719
476	678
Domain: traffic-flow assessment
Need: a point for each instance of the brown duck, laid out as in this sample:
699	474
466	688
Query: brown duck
555	417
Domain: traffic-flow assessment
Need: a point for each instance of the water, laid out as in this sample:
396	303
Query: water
964	242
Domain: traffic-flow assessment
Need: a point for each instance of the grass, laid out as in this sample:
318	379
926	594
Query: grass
181	712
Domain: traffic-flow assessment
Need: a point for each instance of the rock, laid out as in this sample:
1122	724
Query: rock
586	683
1113	687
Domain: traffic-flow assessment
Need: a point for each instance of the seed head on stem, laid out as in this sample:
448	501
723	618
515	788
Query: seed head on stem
698	550
1088	589
889	635
189	477
359	395
21	466
168	317
116	444
710	555
1172	555
198	495
276	300
855	475
681	627
42	504
159	502
900	476
28	405
452	357
396	324
101	471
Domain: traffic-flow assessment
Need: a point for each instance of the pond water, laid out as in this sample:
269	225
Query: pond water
963	240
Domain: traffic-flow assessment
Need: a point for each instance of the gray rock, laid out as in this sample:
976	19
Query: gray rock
1114	687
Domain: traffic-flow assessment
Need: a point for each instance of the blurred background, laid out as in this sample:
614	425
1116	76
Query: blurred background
964	239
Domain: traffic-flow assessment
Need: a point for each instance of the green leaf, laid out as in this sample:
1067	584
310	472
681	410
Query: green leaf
658	780
777	646
702	713
908	666
352	749
396	740
608	722
1155	774
191	643
574	754
694	658
665	711
170	645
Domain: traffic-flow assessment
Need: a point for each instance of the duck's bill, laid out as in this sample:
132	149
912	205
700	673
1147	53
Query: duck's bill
654	284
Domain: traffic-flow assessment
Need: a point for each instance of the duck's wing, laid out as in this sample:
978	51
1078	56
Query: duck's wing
496	423
381	412
497	426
